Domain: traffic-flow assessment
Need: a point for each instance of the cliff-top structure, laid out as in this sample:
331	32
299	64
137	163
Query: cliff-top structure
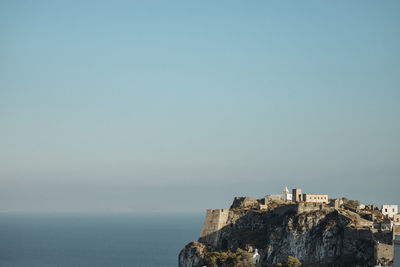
316	230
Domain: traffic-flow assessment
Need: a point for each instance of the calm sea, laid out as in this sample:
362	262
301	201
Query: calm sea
96	239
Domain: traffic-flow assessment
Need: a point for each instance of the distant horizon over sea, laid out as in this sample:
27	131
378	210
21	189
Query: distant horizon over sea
95	239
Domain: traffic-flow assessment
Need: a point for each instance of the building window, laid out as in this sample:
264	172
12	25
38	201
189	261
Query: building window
385	210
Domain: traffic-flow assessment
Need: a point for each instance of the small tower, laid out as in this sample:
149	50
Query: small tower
297	195
286	196
256	257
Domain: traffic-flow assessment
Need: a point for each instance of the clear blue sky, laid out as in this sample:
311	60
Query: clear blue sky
181	105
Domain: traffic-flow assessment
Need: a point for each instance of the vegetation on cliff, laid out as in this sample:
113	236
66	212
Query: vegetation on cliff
240	258
290	262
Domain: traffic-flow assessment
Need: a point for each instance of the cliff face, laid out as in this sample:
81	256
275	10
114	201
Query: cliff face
193	254
314	233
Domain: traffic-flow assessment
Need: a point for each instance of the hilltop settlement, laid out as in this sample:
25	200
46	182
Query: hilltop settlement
297	229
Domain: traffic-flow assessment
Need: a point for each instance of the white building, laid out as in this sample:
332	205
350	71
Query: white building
319	198
256	257
274	197
285	196
389	210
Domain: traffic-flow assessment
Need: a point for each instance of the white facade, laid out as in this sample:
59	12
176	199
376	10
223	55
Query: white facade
274	197
256	257
319	198
285	196
389	210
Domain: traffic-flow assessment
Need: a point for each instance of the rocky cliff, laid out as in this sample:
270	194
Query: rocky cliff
316	234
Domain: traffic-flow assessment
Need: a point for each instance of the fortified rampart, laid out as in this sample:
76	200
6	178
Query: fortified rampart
219	218
215	220
383	253
312	206
298	208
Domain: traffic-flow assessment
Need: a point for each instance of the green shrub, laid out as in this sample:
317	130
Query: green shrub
222	258
290	262
293	262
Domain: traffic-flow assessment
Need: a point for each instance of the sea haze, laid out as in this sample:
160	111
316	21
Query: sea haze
95	239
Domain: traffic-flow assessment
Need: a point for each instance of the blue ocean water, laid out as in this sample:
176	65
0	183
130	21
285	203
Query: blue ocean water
63	240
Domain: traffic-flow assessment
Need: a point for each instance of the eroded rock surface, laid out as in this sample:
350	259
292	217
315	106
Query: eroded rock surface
316	234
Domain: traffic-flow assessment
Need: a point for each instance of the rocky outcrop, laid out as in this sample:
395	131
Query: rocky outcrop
244	202
193	254
314	233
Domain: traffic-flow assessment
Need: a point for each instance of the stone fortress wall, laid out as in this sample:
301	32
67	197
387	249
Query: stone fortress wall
383	251
319	198
215	220
218	218
299	208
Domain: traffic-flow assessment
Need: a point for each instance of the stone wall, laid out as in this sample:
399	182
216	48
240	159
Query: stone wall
215	220
281	210
320	198
244	202
383	253
336	203
300	207
274	197
396	219
307	207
